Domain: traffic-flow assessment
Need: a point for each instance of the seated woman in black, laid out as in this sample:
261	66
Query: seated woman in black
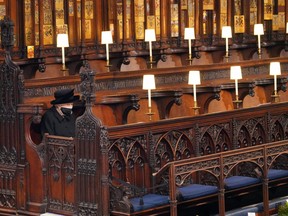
59	120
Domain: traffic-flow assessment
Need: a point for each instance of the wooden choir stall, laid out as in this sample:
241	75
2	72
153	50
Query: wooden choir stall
207	135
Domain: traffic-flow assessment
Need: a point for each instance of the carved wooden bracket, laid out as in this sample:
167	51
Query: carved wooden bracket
268	85
165	100
245	88
205	95
122	104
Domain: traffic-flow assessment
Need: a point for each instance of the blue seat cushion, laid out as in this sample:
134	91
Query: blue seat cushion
277	173
149	201
240	181
195	190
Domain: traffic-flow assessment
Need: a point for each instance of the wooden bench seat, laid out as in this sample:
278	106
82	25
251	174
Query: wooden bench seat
148	201
195	190
277	173
234	182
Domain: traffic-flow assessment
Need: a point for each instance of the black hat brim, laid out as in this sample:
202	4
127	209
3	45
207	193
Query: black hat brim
65	100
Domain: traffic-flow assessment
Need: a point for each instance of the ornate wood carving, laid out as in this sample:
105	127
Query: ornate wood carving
61	172
11	85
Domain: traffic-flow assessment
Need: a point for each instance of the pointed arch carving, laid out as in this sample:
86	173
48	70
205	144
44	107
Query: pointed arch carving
279	128
251	132
173	145
215	139
244	139
128	160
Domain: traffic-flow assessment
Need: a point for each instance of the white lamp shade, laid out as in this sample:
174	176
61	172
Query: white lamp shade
62	40
251	214
189	33
226	32
150	35
235	72
275	68
194	78
258	29
149	82
106	37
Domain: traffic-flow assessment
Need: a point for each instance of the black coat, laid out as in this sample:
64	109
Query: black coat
55	124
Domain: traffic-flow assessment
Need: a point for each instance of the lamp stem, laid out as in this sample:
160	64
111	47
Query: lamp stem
275	84
107	51
150	50
259	41
189	44
236	88
63	57
194	92
227	47
149	98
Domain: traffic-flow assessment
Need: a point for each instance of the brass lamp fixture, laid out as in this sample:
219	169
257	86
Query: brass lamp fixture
106	38
226	33
149	37
236	74
259	30
189	34
149	84
63	41
275	69
194	79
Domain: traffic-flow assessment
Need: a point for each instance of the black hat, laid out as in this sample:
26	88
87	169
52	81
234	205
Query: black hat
64	96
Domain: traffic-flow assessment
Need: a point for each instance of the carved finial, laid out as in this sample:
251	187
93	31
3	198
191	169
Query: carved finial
7	33
87	86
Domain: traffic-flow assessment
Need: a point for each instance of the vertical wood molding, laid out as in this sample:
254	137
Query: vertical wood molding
41	23
82	26
260	11
164	19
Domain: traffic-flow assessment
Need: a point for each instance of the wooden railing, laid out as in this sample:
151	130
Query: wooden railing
221	165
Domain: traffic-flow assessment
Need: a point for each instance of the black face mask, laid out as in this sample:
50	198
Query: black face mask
66	111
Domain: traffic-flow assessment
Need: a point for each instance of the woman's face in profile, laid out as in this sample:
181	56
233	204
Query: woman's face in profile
66	105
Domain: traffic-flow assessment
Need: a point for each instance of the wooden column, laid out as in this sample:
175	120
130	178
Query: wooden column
41	31
221	193
260	11
82	33
265	185
104	143
198	19
286	11
172	185
230	13
164	19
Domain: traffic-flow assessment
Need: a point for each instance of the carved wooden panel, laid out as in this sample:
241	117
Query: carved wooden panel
128	159
171	146
279	127
48	29
61	174
251	132
253	14
8	181
11	84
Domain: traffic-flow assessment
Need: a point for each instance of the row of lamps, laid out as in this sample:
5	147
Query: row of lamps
106	38
63	41
227	33
150	36
194	79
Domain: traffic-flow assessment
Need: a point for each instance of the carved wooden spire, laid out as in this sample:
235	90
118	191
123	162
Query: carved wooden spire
87	86
7	34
